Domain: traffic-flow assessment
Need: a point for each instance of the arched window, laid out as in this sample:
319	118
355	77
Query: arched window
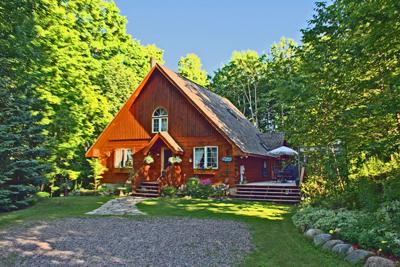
159	122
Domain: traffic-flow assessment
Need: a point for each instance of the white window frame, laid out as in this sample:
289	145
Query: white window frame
159	119
205	157
118	165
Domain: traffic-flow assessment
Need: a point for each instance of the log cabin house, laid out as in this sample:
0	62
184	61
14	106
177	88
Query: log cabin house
169	116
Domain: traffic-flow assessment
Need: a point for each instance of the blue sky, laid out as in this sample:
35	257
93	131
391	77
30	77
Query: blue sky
213	29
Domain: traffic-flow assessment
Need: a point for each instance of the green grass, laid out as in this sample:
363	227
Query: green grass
277	241
53	208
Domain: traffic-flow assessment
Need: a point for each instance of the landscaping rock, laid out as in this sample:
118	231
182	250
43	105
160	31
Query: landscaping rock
376	261
331	243
310	233
321	239
358	256
342	249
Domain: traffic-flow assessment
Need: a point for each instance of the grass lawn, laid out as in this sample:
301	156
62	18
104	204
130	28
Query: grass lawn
277	241
53	208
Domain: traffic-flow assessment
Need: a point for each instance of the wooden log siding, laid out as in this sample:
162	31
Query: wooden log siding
187	126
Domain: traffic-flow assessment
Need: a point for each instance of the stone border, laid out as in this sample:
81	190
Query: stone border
339	247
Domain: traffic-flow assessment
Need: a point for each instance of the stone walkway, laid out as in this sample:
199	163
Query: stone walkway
119	206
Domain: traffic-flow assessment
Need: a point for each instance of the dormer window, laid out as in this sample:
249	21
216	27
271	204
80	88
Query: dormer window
159	122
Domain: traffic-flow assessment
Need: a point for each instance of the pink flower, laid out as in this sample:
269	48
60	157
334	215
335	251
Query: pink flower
206	181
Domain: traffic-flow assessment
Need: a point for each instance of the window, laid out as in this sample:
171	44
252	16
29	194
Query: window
205	157
159	122
123	158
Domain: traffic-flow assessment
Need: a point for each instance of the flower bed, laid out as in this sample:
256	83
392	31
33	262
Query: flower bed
379	230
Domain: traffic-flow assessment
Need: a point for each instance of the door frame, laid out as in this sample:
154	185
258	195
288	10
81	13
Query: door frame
163	148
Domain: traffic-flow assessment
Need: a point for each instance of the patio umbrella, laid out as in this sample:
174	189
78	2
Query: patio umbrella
283	150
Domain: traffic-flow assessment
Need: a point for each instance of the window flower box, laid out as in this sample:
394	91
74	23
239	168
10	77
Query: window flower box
204	171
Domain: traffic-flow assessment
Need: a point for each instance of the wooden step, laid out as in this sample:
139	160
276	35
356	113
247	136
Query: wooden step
267	193
145	190
148	189
267	187
292	201
283	191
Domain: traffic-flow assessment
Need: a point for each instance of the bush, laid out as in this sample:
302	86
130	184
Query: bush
42	195
169	191
83	192
194	188
378	230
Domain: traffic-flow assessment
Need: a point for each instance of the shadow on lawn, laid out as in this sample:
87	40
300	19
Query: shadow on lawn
213	208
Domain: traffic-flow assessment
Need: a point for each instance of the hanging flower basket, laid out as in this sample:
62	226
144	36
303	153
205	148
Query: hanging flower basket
148	160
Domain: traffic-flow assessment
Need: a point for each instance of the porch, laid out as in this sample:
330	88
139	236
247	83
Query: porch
272	191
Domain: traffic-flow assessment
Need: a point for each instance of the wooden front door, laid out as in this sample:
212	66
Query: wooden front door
165	155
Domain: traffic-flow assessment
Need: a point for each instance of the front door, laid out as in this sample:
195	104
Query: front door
165	155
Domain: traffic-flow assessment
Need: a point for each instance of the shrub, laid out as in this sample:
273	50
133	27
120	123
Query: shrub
371	229
194	188
42	195
169	191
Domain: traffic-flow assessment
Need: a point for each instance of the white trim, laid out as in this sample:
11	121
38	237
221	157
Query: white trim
159	119
205	156
121	154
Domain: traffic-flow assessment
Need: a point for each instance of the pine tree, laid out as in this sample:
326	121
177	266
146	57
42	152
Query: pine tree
21	136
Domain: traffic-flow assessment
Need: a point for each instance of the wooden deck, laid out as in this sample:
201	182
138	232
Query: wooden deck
269	191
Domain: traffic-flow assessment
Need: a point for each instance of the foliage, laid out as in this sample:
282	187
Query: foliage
194	188
347	106
148	159
174	160
190	67
42	195
98	170
242	80
378	230
169	191
74	62
21	135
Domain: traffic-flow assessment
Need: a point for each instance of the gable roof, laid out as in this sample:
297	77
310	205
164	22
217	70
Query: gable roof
225	116
167	139
219	111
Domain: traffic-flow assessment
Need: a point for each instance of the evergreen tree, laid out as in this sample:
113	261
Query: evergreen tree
190	67
21	136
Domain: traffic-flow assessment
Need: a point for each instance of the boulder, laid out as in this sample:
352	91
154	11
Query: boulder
376	261
358	256
310	233
331	243
321	239
341	249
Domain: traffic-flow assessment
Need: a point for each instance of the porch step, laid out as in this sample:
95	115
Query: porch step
254	198
272	193
148	189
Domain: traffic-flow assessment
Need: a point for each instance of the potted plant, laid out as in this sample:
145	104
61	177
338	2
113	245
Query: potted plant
148	160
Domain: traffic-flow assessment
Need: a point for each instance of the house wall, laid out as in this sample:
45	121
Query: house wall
255	170
185	124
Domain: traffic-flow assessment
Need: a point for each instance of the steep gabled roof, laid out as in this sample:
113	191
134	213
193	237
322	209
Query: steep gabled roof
167	139
224	115
219	111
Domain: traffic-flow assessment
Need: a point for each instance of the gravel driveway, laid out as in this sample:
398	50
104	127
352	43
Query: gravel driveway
115	241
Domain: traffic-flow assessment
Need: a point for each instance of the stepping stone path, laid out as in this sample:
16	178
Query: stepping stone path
120	206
